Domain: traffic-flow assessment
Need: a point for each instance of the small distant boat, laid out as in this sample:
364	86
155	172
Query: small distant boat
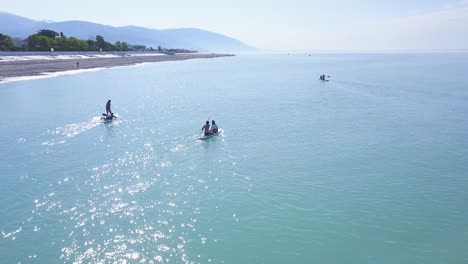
210	136
324	77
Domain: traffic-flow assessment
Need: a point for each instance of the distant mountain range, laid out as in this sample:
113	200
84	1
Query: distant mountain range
187	38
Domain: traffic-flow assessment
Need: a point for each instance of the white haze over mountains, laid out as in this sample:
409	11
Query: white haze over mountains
187	38
299	25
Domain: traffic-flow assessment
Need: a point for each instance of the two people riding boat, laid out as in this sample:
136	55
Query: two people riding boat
208	131
323	77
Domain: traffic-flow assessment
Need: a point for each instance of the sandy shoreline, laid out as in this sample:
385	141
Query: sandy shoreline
16	69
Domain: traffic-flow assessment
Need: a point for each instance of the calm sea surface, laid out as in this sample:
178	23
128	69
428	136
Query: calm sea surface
371	167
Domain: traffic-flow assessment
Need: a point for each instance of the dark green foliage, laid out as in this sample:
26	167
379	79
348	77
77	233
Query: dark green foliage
104	45
139	47
124	46
40	43
91	45
6	43
47	33
45	40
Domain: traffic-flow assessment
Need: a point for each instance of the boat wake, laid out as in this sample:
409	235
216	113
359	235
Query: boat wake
60	134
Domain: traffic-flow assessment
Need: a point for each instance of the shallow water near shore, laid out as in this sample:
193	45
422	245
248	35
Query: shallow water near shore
370	167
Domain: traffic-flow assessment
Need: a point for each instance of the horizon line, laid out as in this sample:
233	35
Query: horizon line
363	50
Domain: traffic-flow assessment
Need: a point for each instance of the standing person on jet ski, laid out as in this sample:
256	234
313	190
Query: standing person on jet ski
108	108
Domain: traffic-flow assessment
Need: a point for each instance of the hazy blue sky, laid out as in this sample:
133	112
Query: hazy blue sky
280	25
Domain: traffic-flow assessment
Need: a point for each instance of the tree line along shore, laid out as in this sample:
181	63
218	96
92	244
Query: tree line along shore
49	40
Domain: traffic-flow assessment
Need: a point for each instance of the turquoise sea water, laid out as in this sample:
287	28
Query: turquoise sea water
371	167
